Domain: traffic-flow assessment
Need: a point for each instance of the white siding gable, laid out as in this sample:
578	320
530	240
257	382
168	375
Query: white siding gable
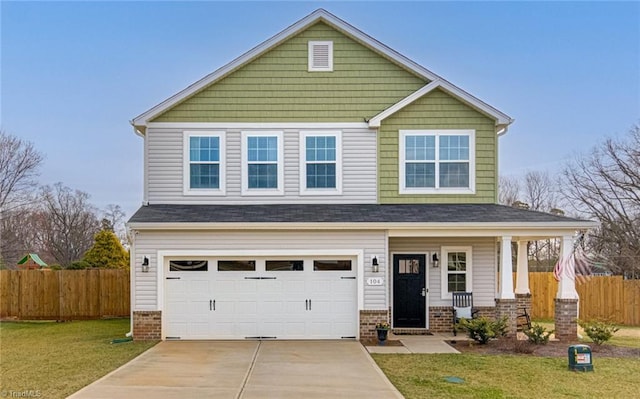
166	163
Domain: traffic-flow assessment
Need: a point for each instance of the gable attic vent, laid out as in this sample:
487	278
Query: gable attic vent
320	56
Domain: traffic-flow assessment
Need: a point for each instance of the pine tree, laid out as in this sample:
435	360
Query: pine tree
107	252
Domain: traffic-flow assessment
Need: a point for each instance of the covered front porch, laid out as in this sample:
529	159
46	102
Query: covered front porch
427	265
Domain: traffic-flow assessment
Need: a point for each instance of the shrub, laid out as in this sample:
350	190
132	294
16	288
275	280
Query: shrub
483	329
599	331
78	265
537	334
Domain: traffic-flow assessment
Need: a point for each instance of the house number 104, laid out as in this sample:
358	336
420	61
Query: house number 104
375	281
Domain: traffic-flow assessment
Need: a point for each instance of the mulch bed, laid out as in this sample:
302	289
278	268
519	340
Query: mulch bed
551	349
374	342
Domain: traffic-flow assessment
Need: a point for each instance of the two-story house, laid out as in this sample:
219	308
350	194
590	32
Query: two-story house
321	183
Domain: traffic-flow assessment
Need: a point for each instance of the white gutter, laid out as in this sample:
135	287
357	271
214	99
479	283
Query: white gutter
543	230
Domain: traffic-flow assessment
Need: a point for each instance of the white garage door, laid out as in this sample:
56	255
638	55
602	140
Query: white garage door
239	298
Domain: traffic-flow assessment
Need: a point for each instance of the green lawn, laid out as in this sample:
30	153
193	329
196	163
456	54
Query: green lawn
58	359
486	376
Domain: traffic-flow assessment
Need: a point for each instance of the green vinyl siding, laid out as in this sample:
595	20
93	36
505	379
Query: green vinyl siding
438	110
277	87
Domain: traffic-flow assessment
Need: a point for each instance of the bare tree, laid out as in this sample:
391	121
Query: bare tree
68	223
508	190
19	164
539	191
19	235
115	217
605	185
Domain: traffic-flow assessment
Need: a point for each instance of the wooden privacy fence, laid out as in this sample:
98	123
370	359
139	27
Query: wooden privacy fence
605	298
64	294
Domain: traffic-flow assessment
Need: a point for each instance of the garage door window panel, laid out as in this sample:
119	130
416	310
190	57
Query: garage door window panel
331	265
188	266
284	265
236	265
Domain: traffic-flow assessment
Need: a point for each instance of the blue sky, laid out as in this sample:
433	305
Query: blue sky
74	74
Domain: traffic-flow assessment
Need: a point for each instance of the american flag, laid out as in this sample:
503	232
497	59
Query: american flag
576	266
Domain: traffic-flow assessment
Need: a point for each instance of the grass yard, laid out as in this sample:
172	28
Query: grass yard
58	359
486	376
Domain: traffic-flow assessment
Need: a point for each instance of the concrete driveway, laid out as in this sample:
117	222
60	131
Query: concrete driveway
246	369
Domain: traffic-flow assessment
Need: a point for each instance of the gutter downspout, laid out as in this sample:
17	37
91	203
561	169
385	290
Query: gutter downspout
132	270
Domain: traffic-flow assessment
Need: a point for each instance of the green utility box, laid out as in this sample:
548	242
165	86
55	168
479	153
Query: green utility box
580	358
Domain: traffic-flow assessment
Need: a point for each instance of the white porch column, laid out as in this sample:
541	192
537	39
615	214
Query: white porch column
567	283
522	272
506	275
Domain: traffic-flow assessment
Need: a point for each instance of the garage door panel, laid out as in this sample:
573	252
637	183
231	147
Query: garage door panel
199	287
222	329
295	286
270	307
176	329
199	308
199	330
285	304
246	329
223	286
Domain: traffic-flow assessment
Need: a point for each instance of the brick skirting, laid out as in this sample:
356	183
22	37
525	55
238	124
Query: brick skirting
524	302
368	321
566	313
508	308
441	317
147	325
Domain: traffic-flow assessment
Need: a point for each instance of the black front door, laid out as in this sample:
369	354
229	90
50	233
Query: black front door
409	291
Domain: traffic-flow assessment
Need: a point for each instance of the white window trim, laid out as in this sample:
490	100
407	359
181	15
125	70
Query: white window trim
444	286
186	162
313	68
246	191
303	163
437	190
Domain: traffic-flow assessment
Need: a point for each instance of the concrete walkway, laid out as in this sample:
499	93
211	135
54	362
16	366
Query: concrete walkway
419	344
246	369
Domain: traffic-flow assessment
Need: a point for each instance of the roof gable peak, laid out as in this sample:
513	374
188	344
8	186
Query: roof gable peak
319	15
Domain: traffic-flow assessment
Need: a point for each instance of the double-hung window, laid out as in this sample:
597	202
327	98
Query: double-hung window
203	163
320	163
262	163
437	161
456	270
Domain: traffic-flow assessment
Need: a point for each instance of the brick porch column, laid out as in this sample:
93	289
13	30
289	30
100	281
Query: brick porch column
566	313
524	302
508	308
566	306
506	300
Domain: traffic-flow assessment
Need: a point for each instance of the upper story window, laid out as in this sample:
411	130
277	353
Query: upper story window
456	270
320	56
437	161
320	163
262	163
203	163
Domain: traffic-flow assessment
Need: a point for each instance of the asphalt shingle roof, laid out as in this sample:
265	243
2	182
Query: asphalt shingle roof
342	213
